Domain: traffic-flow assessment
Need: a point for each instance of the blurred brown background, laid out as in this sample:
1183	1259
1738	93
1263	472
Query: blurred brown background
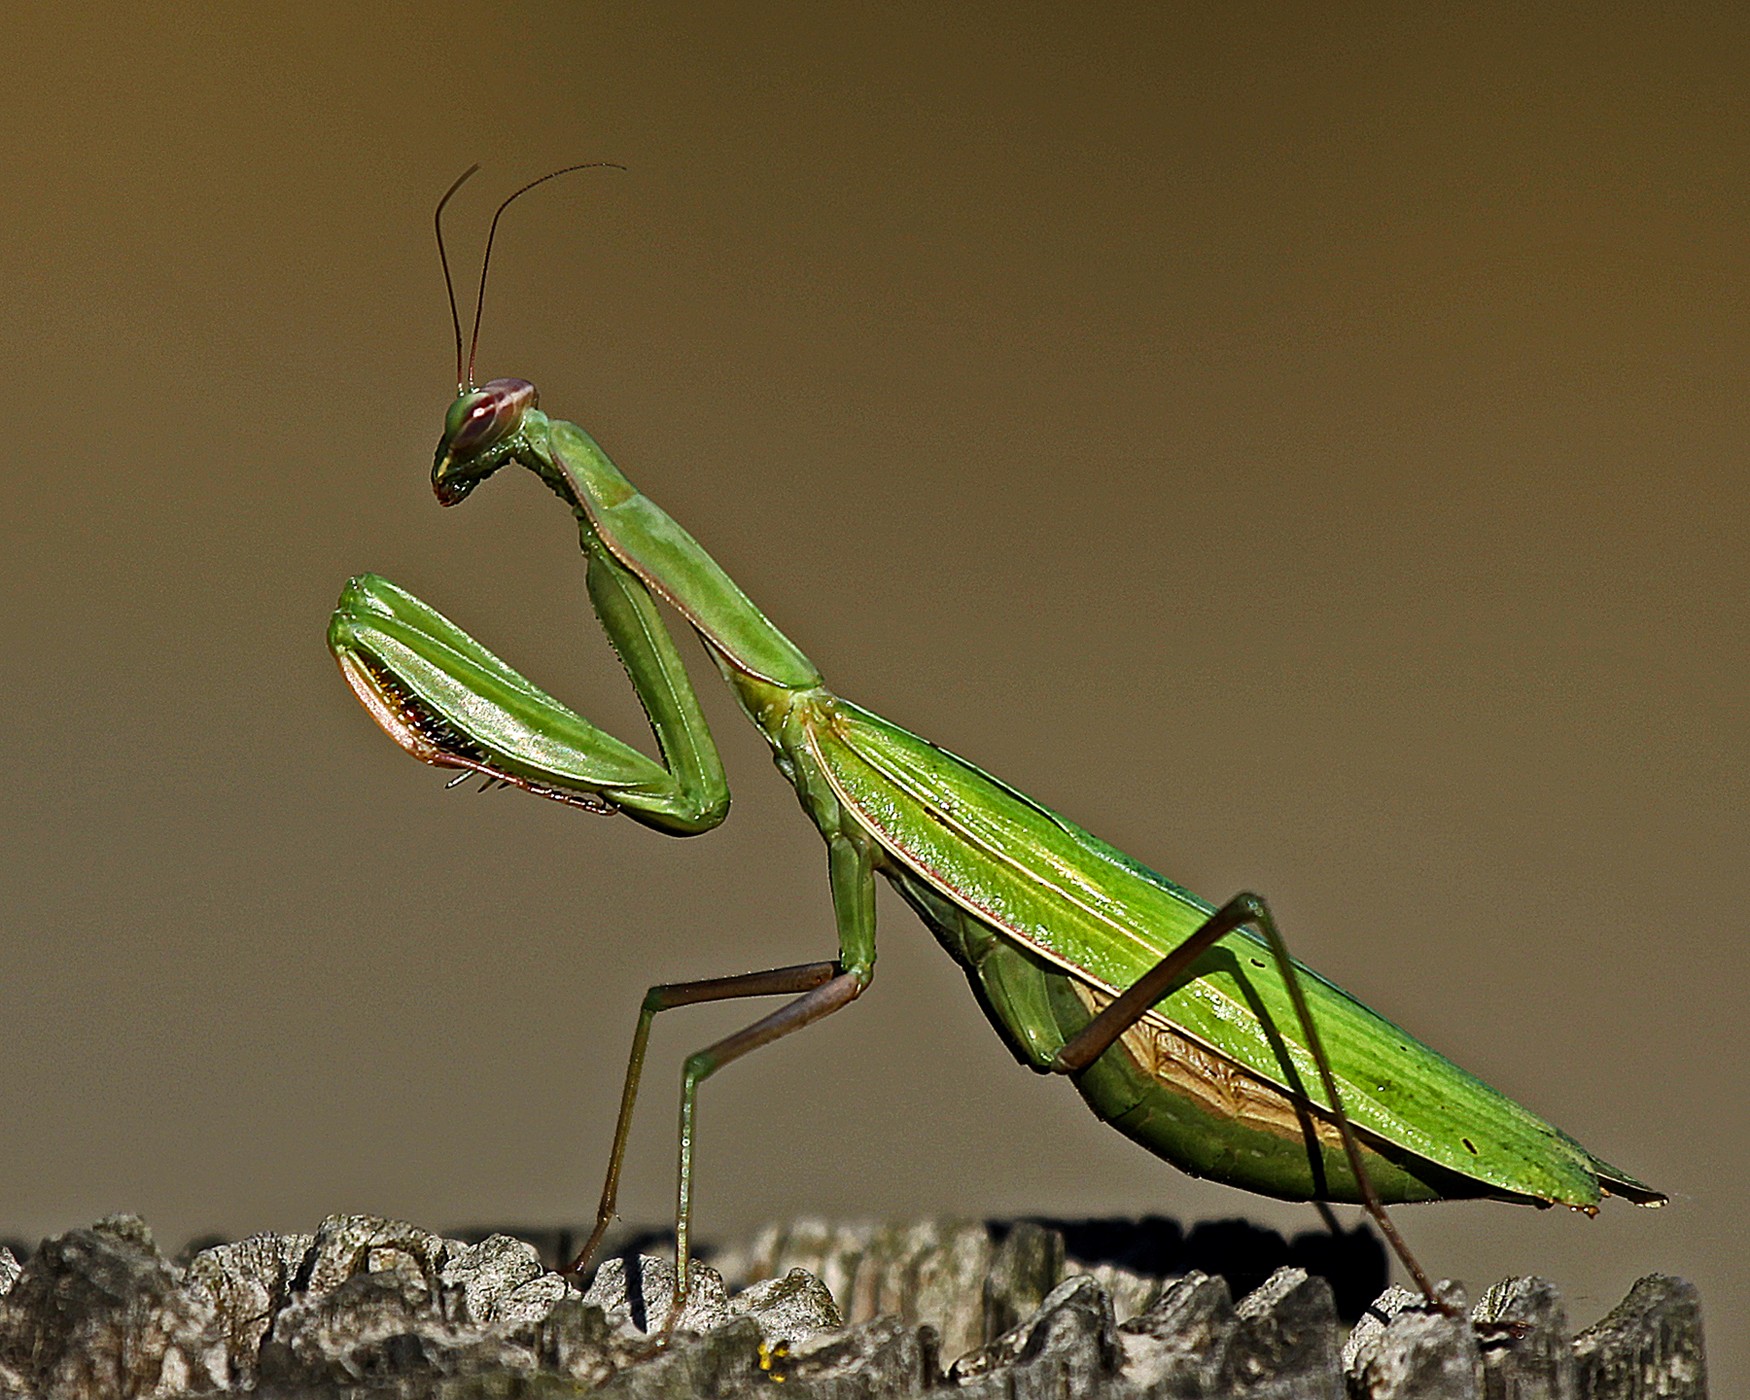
1306	447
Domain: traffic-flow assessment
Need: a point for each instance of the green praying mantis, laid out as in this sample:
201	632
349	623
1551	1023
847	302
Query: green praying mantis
1186	1026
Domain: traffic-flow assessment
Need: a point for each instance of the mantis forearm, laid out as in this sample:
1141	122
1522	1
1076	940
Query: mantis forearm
695	796
450	702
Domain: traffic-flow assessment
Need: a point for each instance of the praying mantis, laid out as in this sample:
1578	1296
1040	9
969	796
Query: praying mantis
1185	1025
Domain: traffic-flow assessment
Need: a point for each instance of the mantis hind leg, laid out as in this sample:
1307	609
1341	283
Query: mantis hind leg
1131	1005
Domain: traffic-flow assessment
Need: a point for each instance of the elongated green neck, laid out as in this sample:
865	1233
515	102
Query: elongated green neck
644	538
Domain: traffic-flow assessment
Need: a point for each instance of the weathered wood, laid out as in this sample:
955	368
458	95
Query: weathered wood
1532	1356
1649	1346
1405	1350
380	1310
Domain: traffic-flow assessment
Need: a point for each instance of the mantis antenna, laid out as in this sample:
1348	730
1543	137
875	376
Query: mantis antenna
465	380
444	258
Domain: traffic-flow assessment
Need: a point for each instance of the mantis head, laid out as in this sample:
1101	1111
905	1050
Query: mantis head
484	425
482	431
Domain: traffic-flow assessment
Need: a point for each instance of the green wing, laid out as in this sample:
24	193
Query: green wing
1106	919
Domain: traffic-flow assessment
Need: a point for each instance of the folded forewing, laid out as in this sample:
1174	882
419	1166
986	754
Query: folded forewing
1106	919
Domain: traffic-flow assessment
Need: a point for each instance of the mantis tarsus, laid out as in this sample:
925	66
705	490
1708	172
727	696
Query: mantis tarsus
1186	1026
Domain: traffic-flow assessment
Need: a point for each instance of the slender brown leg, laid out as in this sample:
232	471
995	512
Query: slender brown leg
777	982
823	1000
1094	1039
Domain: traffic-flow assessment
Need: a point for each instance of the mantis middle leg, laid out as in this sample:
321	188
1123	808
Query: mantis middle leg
825	987
801	978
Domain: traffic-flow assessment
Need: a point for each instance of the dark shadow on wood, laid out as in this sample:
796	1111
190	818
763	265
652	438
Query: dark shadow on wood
1353	1261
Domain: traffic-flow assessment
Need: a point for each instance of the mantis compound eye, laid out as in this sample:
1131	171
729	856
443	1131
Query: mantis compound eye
477	422
487	416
